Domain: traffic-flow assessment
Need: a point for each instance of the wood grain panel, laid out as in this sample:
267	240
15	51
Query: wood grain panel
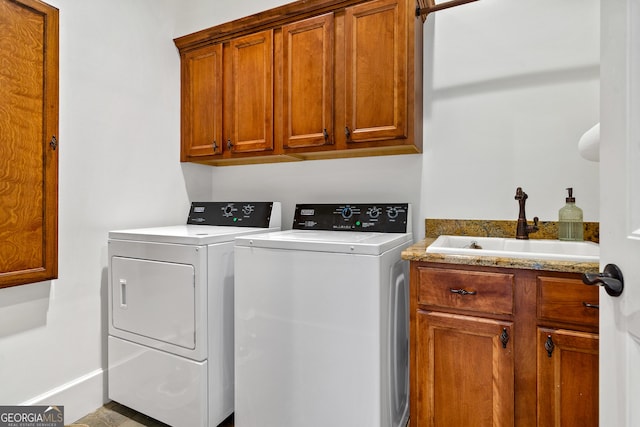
486	292
567	300
376	70
466	374
568	379
202	102
308	82
252	108
28	121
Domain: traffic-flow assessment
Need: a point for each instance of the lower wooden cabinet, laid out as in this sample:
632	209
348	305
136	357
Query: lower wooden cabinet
466	366
567	378
567	352
529	359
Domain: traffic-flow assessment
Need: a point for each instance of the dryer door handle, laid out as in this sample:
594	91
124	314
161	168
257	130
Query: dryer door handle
123	293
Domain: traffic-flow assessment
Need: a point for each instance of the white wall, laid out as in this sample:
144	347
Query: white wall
510	87
119	132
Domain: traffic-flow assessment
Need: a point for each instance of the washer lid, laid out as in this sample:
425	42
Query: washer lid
187	234
348	242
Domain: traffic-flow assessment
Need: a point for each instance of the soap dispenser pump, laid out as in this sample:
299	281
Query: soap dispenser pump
570	220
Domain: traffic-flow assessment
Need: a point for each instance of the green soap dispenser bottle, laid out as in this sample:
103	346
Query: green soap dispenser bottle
570	220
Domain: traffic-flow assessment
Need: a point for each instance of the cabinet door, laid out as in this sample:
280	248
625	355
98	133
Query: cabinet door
308	82
567	378
202	102
465	371
251	103
28	142
376	71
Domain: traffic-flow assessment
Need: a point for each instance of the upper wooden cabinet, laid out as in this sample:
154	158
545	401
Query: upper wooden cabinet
376	63
28	142
248	103
307	89
202	103
306	80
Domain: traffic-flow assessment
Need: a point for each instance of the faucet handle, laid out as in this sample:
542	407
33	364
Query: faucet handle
535	221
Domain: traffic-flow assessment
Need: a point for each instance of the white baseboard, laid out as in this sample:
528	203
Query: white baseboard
79	397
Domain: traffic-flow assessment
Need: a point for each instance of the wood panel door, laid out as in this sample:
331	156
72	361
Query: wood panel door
466	371
201	102
28	142
567	378
376	71
250	104
308	82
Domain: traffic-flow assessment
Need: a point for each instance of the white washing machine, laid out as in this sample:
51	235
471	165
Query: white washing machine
321	326
170	343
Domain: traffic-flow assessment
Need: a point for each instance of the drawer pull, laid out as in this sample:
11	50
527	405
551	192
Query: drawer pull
462	291
587	305
504	337
549	345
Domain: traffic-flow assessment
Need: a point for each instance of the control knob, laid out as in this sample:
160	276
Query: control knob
248	209
347	212
392	212
228	210
374	212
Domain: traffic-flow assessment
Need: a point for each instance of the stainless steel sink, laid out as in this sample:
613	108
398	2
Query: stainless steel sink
535	249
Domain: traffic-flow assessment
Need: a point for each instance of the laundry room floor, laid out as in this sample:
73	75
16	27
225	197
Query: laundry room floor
115	415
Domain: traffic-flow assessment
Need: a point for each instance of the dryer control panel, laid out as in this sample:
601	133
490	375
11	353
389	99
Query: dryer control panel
372	217
236	214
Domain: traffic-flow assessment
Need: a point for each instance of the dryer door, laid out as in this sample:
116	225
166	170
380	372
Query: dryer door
154	299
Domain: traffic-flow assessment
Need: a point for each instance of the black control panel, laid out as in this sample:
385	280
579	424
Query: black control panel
236	214
379	217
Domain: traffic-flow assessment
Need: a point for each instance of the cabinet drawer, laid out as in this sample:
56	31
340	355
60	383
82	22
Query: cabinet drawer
466	290
567	300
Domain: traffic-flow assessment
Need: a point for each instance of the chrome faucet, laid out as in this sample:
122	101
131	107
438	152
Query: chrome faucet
523	229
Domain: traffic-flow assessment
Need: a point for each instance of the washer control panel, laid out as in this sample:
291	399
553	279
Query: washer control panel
237	214
378	217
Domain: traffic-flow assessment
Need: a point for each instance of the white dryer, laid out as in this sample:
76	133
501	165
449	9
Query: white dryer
321	327
170	291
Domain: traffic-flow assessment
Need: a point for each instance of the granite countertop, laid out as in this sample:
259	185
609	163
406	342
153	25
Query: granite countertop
434	228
